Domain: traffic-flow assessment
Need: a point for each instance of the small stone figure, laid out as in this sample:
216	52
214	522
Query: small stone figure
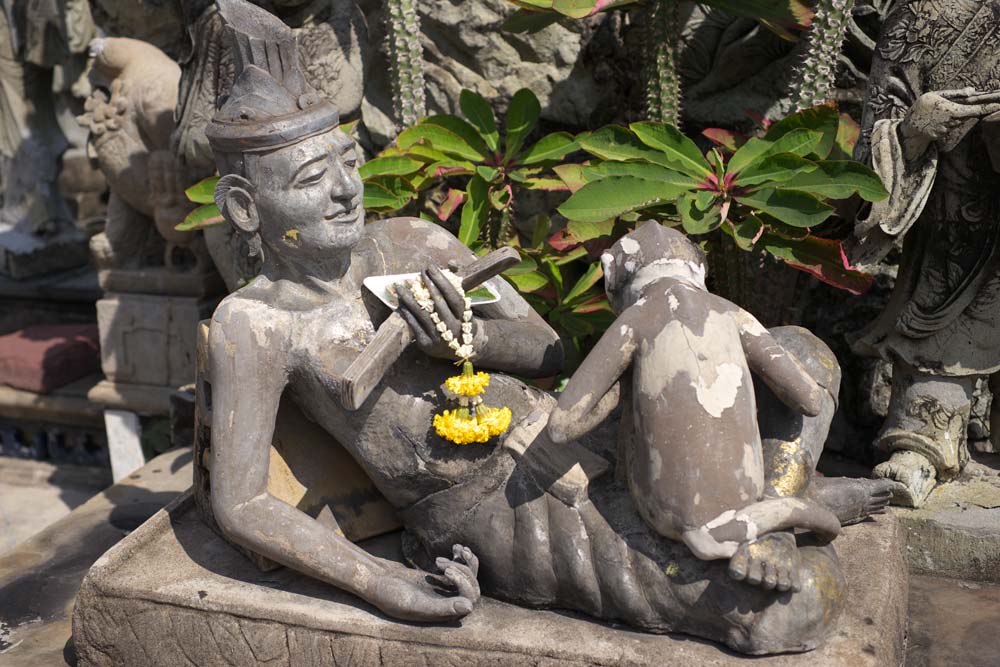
477	518
931	130
695	465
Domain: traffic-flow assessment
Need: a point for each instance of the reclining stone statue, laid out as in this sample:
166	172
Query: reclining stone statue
502	520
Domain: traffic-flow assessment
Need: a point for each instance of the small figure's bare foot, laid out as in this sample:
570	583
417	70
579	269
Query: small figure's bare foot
853	499
915	473
771	562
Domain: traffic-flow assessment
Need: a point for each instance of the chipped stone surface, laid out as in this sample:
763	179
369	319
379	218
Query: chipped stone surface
174	589
957	531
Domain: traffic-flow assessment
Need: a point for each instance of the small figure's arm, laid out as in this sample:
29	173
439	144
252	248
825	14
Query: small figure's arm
593	391
778	368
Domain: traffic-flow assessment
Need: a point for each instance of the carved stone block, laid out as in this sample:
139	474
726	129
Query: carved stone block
148	339
173	592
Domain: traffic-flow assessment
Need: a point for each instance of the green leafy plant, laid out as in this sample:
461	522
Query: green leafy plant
768	192
483	171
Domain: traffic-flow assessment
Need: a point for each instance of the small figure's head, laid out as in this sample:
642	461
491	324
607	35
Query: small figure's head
649	253
289	175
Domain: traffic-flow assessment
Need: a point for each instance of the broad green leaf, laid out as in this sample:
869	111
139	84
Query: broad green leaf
479	113
799	142
475	212
380	196
203	192
798	209
695	217
522	114
588	231
203	216
424	152
576	9
528	282
614	142
835	179
550	147
774	169
679	149
533	4
572	175
612	196
441	139
552	270
721	137
569	257
848	133
461	128
746	232
748	153
390	166
824	119
348	127
549	184
487	173
650	172
526	265
823	258
588	280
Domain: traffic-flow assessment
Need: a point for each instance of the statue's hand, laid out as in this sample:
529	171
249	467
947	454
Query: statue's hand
945	117
449	305
415	595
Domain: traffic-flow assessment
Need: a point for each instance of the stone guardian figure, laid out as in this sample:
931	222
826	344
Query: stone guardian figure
931	132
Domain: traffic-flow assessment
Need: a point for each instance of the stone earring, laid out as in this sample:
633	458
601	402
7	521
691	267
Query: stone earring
253	246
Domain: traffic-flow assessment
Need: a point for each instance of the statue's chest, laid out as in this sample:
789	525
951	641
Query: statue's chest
332	336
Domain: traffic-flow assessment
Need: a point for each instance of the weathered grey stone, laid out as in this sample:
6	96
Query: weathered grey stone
173	588
956	533
40	577
148	339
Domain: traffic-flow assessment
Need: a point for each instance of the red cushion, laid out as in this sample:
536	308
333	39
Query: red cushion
46	357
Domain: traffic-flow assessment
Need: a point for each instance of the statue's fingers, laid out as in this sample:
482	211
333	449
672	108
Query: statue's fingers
755	574
958	93
409	302
441	305
436	607
423	340
445	564
465	555
455	299
977	110
784	579
467	585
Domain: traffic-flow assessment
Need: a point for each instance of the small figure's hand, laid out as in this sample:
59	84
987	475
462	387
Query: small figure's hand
945	117
414	595
449	304
771	562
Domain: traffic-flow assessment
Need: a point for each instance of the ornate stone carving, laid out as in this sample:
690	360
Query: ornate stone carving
930	130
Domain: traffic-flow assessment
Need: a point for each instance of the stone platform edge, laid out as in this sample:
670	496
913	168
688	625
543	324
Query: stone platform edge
170	626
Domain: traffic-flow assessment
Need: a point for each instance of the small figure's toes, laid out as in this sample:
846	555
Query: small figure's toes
755	575
770	577
784	579
738	565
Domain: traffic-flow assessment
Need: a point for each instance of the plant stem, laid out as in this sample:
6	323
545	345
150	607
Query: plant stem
814	79
406	59
663	38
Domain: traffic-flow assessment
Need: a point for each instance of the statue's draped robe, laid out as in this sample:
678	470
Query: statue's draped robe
944	314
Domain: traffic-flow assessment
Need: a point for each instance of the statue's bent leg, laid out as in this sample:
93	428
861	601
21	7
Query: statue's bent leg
792	442
925	431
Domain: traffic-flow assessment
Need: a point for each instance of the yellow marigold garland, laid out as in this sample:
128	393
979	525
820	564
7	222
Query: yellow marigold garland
472	421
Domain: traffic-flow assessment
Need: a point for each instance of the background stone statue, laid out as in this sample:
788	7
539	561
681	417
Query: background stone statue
930	130
507	521
130	119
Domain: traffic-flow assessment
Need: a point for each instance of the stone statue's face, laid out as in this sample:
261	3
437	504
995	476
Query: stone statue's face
309	195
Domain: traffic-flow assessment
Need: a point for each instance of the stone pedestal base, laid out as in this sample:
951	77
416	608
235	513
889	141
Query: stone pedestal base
150	340
174	593
956	533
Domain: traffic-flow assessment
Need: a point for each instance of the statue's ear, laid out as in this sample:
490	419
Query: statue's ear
234	197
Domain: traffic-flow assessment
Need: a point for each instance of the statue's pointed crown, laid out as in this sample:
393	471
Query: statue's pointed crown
271	105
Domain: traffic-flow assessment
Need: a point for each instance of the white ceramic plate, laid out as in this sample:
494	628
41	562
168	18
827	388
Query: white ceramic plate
384	288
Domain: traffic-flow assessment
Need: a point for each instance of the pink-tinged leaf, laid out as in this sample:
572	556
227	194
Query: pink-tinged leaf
450	204
563	241
848	133
822	258
547	184
725	138
759	120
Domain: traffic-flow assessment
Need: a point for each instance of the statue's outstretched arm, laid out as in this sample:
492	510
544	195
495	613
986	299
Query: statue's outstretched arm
593	391
248	373
778	368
